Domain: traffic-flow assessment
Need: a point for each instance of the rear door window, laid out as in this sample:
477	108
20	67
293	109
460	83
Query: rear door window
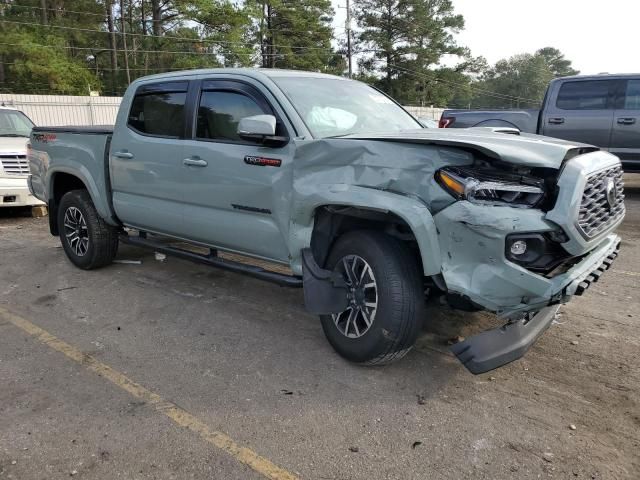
220	111
584	95
632	95
159	110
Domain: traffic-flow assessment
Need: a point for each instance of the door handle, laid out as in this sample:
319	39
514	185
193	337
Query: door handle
123	154
626	121
556	120
195	162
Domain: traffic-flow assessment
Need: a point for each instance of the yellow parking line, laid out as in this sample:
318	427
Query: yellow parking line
175	413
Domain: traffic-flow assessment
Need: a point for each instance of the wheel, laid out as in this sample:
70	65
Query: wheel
386	298
87	240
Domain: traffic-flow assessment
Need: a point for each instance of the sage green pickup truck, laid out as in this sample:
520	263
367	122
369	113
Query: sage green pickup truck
333	179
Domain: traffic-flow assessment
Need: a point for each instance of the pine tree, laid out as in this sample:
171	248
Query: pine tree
294	34
406	38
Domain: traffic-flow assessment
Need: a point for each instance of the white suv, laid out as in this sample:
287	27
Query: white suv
15	128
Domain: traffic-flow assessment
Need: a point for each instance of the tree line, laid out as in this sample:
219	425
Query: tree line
407	48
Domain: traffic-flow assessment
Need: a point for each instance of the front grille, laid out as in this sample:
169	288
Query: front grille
602	201
15	164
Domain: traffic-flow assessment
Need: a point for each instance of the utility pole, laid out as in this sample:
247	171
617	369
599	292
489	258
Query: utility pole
44	15
113	46
124	42
348	28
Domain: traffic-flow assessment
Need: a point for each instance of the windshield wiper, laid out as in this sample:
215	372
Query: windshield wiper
14	135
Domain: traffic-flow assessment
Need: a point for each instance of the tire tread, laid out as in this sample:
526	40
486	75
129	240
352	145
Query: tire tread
103	236
399	271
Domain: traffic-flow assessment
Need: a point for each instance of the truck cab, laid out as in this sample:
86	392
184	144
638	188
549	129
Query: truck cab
602	110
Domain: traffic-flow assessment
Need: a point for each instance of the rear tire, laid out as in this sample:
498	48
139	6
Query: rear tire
383	321
86	238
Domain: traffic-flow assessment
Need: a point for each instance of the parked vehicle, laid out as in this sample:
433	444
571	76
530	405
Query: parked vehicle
602	110
15	128
335	180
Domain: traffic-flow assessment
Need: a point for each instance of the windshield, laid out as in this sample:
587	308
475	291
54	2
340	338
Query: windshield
333	107
14	124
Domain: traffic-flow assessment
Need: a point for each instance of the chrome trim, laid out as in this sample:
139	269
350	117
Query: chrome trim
602	202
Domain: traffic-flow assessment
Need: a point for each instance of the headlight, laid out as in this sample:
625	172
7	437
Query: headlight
481	185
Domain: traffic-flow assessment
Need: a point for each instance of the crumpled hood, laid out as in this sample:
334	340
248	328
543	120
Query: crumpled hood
522	149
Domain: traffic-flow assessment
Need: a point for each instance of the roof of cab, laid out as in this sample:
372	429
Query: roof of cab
598	76
258	73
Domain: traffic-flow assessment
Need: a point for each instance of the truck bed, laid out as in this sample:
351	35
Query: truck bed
523	120
83	150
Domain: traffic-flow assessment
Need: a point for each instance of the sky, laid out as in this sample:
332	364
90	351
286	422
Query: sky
597	36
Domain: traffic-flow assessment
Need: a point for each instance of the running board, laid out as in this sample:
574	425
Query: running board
213	260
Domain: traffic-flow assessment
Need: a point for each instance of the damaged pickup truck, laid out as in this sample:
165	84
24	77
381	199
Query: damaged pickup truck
336	181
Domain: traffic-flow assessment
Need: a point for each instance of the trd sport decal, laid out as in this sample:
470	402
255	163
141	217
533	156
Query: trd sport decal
262	161
45	137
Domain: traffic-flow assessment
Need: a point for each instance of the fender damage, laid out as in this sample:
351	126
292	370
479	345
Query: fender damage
462	241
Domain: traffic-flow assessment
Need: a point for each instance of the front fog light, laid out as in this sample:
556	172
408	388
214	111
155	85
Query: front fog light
519	247
534	251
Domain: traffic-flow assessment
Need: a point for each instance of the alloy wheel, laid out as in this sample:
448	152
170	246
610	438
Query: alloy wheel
358	317
76	231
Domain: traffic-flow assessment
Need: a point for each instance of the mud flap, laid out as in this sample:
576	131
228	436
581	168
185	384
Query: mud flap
494	348
325	292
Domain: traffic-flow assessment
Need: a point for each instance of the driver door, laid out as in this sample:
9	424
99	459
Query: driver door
236	192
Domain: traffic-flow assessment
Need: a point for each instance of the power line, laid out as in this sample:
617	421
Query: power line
486	92
166	37
94	49
53	9
229	43
161	69
131	69
184	17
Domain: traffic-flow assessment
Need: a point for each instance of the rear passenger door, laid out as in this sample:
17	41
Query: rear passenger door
146	158
625	138
582	112
237	193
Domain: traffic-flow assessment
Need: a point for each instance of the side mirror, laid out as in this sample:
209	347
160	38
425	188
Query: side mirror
260	129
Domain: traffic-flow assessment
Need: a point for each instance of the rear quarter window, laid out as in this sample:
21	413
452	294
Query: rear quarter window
584	95
158	113
632	95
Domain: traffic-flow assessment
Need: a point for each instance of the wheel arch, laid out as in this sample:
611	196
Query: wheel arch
61	182
404	217
64	178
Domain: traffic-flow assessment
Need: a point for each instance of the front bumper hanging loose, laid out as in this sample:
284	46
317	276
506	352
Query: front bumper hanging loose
497	347
494	348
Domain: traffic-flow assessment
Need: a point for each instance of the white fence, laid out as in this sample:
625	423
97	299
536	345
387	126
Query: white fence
58	110
425	112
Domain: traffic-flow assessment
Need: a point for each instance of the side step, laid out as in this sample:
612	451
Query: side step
213	260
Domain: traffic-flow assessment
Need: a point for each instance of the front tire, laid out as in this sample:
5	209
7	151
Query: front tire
86	238
386	298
